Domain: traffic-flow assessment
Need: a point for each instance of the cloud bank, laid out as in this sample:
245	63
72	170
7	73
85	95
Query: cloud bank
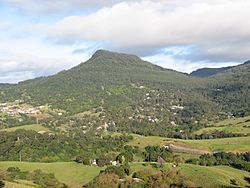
215	27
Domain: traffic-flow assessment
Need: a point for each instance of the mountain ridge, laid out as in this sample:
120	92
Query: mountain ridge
115	78
207	72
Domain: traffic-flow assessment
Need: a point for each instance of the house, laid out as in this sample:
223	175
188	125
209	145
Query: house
114	163
41	132
182	131
93	162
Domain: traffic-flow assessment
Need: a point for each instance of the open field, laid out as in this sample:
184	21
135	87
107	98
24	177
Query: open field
235	144
205	176
234	125
214	176
20	184
75	175
33	127
70	173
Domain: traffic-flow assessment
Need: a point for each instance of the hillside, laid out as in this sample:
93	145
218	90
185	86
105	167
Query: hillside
77	175
5	85
206	72
111	82
133	93
231	89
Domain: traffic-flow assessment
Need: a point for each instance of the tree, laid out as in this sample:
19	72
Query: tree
2	184
119	171
104	180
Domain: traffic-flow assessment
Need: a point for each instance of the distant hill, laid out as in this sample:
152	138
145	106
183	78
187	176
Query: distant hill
5	85
231	88
206	72
123	87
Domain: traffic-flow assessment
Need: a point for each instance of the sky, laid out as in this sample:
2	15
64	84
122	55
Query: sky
43	37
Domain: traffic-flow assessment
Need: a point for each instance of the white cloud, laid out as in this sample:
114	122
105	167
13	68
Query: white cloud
30	58
15	77
211	25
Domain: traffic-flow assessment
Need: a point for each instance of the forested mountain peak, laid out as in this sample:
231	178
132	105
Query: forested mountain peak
108	58
109	54
207	72
247	62
114	81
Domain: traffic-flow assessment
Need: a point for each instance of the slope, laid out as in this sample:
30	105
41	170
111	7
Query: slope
84	86
231	89
206	72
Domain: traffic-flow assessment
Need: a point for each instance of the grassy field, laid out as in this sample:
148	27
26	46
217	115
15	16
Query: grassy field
214	176
33	127
205	176
235	144
20	184
70	173
234	125
75	175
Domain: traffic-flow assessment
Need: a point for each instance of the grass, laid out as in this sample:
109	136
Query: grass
143	141
70	173
33	127
235	144
215	176
20	184
234	125
76	175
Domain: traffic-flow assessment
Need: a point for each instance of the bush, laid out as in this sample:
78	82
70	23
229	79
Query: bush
115	170
104	180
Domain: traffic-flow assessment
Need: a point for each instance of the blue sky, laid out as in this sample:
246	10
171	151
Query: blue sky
43	37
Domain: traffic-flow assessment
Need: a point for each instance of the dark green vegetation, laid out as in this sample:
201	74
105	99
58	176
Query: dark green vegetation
38	177
142	178
31	146
240	161
206	72
5	85
118	109
7	121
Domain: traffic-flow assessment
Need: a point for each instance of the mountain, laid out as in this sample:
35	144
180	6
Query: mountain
5	85
134	93
206	72
231	88
88	83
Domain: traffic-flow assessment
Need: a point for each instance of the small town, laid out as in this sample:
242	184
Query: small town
14	109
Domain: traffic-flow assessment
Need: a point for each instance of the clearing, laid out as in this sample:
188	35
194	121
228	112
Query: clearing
33	127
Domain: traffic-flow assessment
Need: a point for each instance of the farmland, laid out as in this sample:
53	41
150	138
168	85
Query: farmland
76	175
236	144
33	127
